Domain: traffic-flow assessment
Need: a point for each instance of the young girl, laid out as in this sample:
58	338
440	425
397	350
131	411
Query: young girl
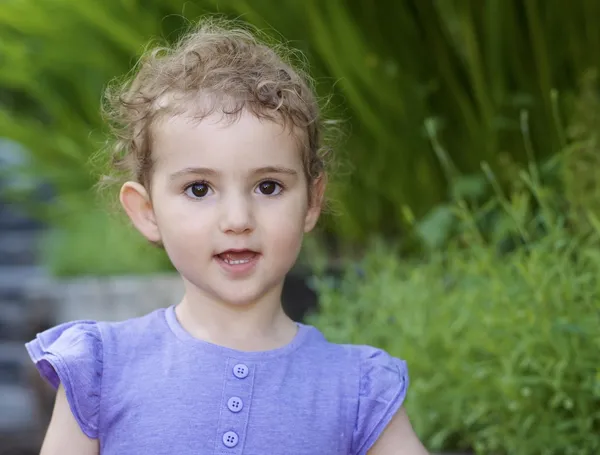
221	142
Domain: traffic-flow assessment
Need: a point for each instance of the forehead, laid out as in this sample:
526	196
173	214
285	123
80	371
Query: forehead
223	143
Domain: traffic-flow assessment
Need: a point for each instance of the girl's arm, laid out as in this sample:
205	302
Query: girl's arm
398	438
64	437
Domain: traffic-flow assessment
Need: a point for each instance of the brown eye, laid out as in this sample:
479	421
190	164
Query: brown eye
198	190
269	188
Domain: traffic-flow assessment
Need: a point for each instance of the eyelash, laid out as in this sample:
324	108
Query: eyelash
204	182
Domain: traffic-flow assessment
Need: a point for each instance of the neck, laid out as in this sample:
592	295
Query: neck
254	326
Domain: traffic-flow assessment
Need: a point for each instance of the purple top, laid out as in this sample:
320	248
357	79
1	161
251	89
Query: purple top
146	386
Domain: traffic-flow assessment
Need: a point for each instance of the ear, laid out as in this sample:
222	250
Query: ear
316	203
138	205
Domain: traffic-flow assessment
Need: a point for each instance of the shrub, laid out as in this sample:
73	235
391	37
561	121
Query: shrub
502	347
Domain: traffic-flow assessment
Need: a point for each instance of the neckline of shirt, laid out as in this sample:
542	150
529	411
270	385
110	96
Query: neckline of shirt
183	335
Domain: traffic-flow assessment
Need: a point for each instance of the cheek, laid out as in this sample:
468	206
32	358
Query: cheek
181	221
186	237
285	228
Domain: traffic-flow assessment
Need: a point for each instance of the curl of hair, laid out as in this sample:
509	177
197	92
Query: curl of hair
219	65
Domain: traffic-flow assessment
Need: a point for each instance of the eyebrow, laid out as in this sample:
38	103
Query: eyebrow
211	172
193	171
274	170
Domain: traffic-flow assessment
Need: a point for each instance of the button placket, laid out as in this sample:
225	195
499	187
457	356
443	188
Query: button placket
235	402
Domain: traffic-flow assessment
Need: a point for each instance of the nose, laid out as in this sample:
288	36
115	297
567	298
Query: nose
237	215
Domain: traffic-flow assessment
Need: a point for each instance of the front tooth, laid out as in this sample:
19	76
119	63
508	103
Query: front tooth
236	262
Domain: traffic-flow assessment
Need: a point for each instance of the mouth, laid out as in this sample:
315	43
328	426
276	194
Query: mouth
237	257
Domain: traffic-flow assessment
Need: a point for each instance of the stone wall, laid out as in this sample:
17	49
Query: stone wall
122	297
104	298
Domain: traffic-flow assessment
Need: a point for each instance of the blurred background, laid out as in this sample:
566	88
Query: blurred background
465	230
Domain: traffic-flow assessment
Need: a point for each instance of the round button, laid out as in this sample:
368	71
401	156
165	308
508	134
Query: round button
240	371
235	404
230	439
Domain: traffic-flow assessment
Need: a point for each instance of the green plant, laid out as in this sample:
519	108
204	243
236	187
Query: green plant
465	69
397	71
83	239
582	160
502	347
56	57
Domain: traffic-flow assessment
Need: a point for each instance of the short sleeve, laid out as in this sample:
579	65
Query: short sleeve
382	390
71	354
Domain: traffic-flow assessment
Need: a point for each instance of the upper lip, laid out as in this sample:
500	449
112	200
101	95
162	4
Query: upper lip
237	250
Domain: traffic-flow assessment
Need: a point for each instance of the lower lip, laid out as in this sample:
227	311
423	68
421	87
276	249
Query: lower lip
238	269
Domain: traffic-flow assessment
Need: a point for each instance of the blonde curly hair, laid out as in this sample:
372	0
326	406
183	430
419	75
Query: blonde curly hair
219	65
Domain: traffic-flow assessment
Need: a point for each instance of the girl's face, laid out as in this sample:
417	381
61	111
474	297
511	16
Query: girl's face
229	203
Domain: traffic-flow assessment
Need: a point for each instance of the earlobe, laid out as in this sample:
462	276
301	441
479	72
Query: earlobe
315	204
138	206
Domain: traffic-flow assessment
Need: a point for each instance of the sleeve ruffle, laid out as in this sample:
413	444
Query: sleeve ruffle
71	354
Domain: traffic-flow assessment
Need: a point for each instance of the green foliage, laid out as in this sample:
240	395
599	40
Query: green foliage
466	68
56	58
502	347
82	241
400	73
582	160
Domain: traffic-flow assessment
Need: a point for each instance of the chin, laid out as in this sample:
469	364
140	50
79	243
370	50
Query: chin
241	297
236	293
245	295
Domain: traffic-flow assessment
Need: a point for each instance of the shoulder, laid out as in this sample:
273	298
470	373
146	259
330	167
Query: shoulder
371	364
73	354
88	338
135	331
382	382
